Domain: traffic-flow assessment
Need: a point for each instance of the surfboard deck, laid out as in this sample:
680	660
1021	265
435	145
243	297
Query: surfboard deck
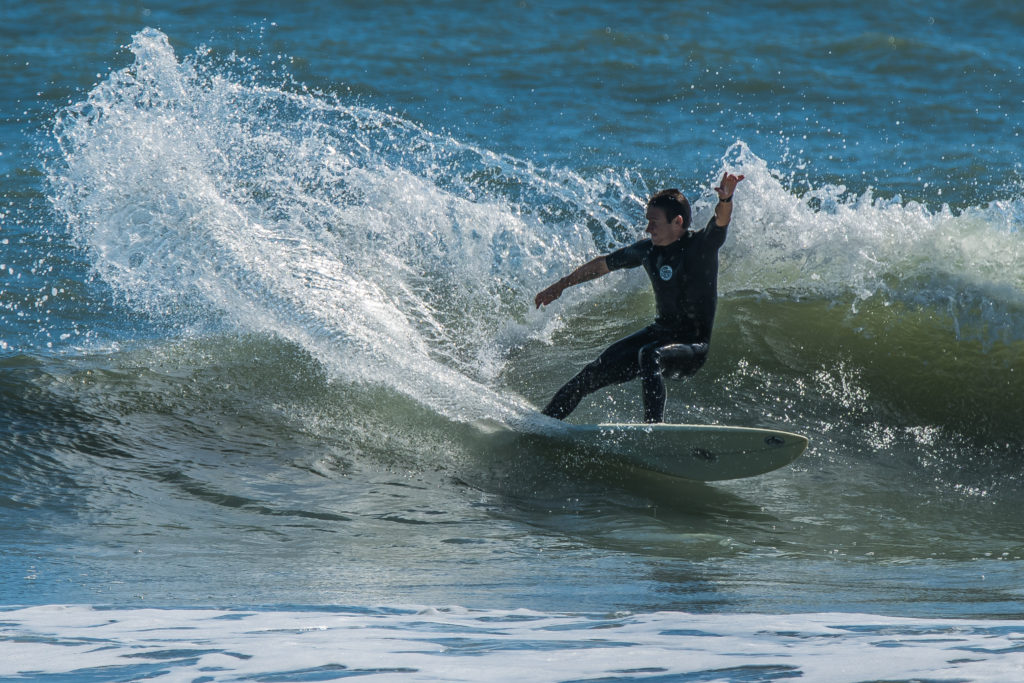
694	452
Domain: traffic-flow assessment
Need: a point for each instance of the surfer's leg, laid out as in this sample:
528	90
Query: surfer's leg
616	365
674	361
652	381
565	400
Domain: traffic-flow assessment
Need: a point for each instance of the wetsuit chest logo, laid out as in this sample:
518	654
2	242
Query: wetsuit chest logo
665	273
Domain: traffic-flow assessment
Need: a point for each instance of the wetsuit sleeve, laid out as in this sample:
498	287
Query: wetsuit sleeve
715	235
628	257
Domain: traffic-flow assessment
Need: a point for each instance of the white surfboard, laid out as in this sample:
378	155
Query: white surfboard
696	452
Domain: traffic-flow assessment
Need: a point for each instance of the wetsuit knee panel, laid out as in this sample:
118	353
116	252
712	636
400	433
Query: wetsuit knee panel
649	356
680	371
683	360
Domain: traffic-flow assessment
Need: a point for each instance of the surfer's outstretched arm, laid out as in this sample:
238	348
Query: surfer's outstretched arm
588	271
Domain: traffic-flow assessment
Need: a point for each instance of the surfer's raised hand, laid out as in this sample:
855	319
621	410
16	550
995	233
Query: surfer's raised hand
728	185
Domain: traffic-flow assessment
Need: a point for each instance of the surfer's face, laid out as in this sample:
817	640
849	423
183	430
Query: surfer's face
663	232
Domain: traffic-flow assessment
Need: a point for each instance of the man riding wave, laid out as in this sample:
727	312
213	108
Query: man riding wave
682	265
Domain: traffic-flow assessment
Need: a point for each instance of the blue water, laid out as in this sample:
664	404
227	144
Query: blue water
265	270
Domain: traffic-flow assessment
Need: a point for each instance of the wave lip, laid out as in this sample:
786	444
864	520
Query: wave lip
833	245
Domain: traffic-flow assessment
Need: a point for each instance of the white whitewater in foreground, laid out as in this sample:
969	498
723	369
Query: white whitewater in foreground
82	642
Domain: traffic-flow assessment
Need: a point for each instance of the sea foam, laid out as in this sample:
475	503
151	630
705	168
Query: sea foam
398	643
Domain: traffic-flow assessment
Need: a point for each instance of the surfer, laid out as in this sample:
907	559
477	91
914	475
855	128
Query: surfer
683	267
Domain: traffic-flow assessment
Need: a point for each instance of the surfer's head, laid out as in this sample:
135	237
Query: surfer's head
673	203
668	217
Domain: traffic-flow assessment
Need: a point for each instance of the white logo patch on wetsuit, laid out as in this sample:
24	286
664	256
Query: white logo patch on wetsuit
665	273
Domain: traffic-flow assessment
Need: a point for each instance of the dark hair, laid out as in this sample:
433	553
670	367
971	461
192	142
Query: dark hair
673	203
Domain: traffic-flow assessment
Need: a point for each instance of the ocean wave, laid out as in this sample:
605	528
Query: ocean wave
404	258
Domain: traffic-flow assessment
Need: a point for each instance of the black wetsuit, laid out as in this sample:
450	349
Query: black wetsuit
684	276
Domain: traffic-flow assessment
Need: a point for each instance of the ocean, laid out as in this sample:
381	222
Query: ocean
267	271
